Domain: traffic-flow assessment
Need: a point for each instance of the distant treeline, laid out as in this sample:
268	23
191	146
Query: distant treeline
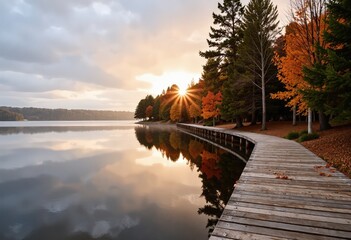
6	115
44	114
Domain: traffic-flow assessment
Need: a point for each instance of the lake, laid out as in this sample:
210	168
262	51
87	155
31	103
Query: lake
110	180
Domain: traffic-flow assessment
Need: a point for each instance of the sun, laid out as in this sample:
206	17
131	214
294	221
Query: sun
182	91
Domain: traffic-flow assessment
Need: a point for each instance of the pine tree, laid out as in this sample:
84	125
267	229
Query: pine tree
211	75
260	29
224	42
236	101
331	77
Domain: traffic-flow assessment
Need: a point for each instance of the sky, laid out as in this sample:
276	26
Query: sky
101	54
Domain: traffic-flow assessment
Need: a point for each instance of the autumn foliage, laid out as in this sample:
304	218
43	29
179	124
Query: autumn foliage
175	113
290	72
301	38
149	111
210	105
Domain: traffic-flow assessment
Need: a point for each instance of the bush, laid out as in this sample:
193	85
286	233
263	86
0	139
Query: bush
303	132
292	135
307	137
208	123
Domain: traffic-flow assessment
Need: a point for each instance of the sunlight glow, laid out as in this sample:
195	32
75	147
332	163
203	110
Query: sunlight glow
182	91
162	82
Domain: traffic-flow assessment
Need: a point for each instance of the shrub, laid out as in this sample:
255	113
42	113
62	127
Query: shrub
208	123
292	135
303	132
307	137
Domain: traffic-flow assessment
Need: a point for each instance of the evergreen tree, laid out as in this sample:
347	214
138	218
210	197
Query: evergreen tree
224	42
156	109
211	76
331	77
140	111
260	29
236	101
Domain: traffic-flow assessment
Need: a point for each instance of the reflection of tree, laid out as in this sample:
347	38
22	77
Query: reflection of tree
160	139
219	170
217	189
174	140
195	148
209	165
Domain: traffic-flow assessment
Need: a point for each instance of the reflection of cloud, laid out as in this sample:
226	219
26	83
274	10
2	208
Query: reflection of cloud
100	228
49	146
194	199
105	193
61	204
103	227
157	158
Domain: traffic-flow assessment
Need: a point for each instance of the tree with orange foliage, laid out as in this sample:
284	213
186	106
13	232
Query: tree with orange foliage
290	71
303	34
210	106
149	111
194	111
175	112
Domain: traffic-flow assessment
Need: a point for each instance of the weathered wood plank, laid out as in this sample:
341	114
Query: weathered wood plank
235	204
297	184
271	231
222	234
333	194
283	213
310	200
291	220
283	202
286	226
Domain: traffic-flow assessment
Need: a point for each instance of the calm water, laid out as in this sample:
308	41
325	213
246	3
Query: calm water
109	180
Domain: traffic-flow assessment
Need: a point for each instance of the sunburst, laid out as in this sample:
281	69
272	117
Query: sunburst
182	92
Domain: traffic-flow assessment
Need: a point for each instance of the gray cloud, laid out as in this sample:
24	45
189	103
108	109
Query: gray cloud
60	45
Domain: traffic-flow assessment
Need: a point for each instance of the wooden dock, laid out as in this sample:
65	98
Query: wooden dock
284	192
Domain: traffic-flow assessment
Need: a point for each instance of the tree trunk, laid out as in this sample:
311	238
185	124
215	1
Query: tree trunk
309	123
263	104
323	122
294	116
253	114
213	121
263	87
239	122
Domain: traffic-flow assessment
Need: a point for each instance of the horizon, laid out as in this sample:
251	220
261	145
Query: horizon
101	55
85	109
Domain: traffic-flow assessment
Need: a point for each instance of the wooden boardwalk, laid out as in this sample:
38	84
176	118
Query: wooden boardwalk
284	192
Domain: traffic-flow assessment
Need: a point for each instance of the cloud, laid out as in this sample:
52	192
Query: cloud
59	45
52	45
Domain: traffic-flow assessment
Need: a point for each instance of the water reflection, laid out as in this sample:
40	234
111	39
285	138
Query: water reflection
93	185
35	129
218	169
